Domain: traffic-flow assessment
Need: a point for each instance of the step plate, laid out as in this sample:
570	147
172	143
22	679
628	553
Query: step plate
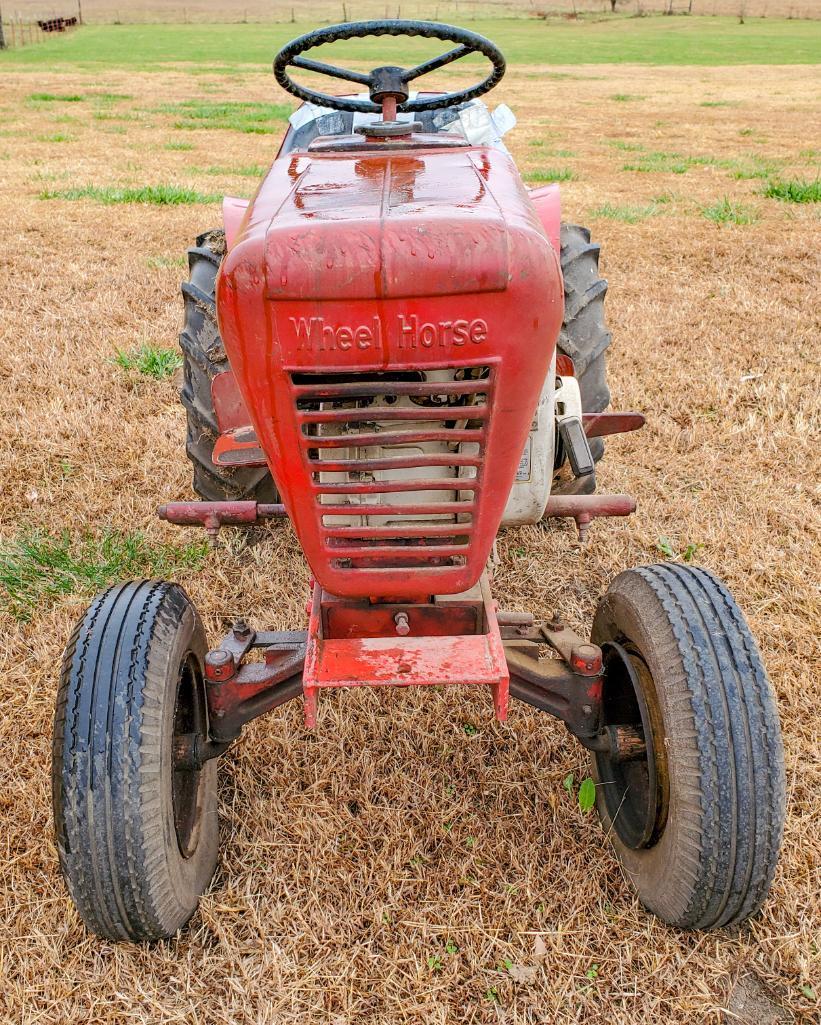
472	660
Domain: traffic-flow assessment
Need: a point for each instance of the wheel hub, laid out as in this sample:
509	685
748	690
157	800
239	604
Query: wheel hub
633	773
186	787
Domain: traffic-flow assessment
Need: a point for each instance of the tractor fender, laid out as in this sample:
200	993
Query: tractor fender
233	211
548	202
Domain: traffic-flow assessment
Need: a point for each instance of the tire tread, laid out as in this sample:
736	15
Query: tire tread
729	771
109	806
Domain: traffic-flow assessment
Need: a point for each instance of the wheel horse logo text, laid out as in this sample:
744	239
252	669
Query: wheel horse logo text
314	334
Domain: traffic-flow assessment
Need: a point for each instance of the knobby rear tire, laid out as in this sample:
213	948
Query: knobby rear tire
584	335
203	358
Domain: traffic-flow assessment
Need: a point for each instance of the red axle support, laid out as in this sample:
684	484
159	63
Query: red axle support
503	651
584	508
213	515
354	644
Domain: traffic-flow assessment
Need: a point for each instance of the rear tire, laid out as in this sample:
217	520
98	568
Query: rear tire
136	834
708	716
584	336
203	358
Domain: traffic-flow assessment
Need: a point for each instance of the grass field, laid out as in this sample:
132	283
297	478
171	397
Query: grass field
411	861
707	41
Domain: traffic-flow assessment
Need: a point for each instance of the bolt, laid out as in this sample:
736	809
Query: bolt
587	709
402	624
240	629
212	524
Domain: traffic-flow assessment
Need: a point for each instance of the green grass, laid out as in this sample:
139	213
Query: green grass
741	168
626	214
53	98
625	97
553	174
745	170
562	154
103	97
154	195
179	146
149	360
36	567
794	191
728	212
247	171
164	262
659	163
650	40
55	137
253	118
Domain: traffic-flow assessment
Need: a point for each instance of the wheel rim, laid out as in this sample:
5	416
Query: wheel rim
634	790
187	788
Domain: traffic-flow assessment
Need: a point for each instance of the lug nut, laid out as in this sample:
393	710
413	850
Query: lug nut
402	624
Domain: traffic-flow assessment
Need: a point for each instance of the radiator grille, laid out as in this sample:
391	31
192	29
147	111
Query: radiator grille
394	461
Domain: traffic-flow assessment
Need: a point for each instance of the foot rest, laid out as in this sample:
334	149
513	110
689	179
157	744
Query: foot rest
473	659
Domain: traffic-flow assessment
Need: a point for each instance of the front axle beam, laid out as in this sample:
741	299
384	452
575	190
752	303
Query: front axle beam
568	687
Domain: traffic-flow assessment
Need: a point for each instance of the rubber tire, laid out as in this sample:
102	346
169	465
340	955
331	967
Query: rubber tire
203	358
584	336
713	863
111	765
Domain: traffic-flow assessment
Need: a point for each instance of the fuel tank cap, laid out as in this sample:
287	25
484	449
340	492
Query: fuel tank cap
388	129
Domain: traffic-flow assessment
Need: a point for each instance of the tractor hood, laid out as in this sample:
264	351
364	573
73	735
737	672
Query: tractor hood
338	226
424	272
386	226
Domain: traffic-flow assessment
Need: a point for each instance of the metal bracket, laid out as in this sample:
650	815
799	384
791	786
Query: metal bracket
568	687
213	515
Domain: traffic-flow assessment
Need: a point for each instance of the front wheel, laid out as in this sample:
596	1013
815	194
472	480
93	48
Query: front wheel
695	809
136	828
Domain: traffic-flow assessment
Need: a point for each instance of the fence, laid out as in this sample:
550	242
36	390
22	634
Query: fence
326	11
17	31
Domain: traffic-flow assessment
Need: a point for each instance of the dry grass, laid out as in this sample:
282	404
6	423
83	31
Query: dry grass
352	855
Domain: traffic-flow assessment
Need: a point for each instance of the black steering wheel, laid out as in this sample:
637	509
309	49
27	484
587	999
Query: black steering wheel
387	83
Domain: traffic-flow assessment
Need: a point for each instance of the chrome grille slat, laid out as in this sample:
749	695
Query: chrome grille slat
389	413
363	437
391	438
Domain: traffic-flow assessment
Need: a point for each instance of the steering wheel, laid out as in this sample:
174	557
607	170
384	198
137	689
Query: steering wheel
387	85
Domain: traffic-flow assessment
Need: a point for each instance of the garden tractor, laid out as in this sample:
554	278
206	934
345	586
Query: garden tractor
400	347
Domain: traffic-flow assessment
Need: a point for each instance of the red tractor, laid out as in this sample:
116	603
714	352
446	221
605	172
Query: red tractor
401	348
